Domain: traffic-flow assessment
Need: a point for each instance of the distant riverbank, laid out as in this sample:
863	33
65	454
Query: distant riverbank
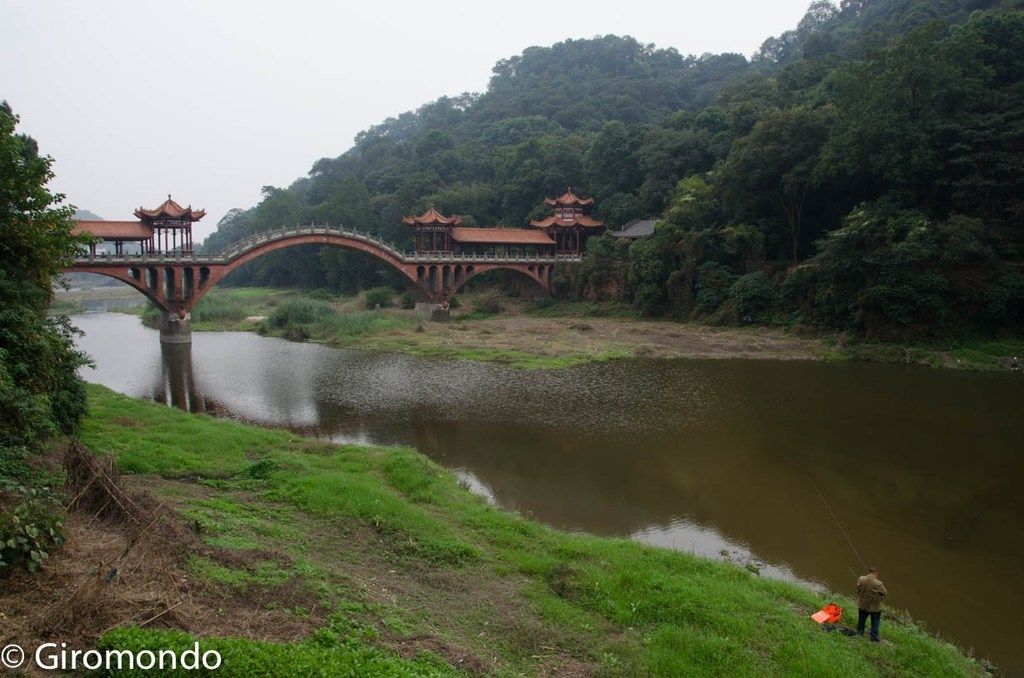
491	327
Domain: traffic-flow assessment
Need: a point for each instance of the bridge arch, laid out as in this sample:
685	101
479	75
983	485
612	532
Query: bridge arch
354	243
135	277
538	274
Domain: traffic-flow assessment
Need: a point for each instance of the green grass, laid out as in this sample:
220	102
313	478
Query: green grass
556	308
958	353
351	519
336	650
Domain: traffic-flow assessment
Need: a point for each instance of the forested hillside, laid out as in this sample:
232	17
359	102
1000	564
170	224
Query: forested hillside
863	171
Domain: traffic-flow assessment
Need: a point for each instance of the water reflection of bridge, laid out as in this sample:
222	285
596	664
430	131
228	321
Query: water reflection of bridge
178	386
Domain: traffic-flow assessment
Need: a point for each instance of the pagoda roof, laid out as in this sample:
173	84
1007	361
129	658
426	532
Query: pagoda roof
432	218
501	236
170	210
575	220
569	199
113	230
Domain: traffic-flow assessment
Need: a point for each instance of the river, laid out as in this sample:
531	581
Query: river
722	458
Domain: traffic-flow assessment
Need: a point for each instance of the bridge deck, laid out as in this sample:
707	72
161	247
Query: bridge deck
239	248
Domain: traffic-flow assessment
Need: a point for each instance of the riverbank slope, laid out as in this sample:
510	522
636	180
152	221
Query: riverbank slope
376	560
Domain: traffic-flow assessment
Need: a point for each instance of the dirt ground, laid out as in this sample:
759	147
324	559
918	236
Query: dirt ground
595	336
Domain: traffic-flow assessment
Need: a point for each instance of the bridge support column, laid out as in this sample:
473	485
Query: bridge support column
431	310
174	329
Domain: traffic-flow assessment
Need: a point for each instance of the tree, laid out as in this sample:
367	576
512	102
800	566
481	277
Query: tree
774	166
40	392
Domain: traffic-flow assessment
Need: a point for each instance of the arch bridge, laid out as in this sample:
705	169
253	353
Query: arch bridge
176	281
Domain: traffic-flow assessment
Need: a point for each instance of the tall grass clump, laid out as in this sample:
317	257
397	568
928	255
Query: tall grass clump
359	323
299	312
220	308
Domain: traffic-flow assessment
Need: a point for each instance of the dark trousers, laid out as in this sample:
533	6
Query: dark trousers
876	621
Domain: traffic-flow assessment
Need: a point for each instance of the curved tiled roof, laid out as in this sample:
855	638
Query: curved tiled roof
170	210
638	228
568	199
577	220
432	218
501	236
113	230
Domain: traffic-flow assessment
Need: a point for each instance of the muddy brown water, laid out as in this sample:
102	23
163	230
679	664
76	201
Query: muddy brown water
922	467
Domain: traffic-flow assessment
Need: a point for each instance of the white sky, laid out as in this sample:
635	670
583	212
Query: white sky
212	100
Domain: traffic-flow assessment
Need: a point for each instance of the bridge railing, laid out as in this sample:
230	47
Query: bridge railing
244	245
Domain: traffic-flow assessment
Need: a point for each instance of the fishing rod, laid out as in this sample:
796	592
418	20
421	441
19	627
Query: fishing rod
838	524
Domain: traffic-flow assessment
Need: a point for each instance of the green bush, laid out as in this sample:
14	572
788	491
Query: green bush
320	294
32	529
299	312
542	303
217	307
713	284
378	296
408	301
753	294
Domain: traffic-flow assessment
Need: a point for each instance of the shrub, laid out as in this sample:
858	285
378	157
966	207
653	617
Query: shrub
408	300
753	294
216	307
32	529
713	283
320	294
379	296
299	312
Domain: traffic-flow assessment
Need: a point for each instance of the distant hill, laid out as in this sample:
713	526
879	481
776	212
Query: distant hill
912	104
86	215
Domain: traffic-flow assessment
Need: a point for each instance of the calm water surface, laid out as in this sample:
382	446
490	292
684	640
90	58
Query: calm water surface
720	458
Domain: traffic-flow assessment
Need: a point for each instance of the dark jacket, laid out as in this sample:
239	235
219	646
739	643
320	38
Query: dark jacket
870	591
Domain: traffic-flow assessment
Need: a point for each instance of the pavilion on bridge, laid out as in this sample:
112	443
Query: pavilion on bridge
167	228
564	233
571	224
435	233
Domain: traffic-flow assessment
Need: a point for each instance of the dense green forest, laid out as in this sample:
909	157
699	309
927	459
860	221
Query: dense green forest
864	171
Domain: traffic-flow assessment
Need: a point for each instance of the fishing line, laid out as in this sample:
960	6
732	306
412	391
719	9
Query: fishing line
838	524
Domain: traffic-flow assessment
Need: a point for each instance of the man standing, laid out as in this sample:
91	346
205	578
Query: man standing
870	591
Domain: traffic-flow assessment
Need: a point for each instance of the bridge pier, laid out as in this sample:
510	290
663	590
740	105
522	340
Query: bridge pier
174	329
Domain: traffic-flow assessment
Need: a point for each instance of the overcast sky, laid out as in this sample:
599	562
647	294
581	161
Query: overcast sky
211	100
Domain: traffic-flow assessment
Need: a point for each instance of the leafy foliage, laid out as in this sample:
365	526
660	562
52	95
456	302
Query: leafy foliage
378	297
40	392
31	529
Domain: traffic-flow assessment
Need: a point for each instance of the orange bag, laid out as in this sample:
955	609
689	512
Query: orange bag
830	614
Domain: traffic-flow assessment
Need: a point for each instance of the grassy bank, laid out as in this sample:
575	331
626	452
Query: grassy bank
393	568
980	354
